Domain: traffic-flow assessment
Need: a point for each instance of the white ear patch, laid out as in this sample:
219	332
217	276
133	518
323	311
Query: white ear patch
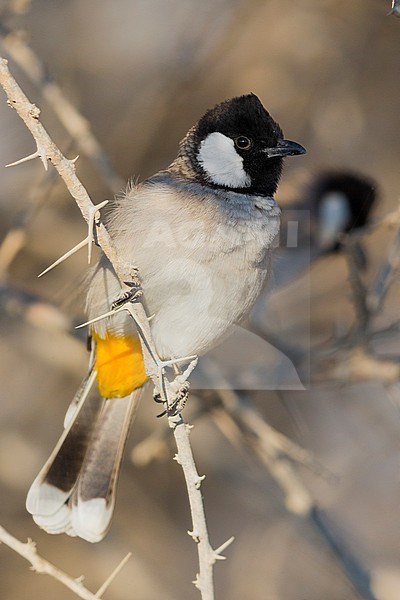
334	214
221	162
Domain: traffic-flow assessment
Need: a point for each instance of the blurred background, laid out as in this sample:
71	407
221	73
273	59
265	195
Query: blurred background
142	72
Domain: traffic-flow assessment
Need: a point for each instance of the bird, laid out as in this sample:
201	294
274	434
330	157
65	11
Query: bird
333	204
201	233
341	202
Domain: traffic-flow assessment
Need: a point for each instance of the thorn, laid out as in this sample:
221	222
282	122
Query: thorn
224	546
177	361
113	575
107	314
196	582
93	218
114	311
185	375
162	364
73	160
194	536
25	159
197	484
31	544
43	157
65	256
151	317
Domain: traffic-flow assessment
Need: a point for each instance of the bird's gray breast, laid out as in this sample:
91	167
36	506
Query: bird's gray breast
202	255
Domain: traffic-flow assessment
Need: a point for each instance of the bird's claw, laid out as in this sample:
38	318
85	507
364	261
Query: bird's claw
132	295
178	403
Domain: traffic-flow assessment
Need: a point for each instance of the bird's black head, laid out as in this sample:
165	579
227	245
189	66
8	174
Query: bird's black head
340	201
237	145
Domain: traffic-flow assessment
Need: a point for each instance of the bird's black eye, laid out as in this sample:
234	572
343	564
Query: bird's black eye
243	143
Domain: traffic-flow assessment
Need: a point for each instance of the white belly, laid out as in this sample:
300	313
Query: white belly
195	304
202	260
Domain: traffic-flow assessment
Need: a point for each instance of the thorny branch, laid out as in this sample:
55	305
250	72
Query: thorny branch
48	151
199	533
359	289
44	567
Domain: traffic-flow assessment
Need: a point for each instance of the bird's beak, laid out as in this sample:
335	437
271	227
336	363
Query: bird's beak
285	148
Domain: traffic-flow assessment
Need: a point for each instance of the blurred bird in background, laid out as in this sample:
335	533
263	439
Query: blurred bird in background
334	203
340	202
395	9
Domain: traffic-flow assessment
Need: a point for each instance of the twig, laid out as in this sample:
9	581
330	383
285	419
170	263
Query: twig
380	287
10	246
47	150
368	301
350	359
250	421
357	365
207	556
357	574
42	566
270	446
265	436
152	447
354	260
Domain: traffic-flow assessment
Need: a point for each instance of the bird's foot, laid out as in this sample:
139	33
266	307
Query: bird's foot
133	294
178	403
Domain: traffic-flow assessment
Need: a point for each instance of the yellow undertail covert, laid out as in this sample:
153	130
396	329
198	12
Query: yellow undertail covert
119	365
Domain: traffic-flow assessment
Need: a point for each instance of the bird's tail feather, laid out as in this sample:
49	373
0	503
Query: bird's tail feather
80	396
92	502
74	492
